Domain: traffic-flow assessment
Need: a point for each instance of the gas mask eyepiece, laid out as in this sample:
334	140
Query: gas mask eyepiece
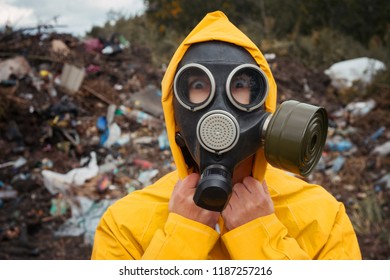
246	86
194	86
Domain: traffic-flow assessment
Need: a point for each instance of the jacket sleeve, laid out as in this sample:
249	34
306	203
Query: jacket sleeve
181	238
109	246
267	238
342	242
263	238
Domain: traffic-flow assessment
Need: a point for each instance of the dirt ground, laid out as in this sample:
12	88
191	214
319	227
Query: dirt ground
32	125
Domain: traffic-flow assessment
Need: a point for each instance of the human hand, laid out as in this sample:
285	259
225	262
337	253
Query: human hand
250	200
182	202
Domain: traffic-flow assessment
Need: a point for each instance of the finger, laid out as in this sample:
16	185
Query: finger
236	194
265	187
191	181
253	185
237	189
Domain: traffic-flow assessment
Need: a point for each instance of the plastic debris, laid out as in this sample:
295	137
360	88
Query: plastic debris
114	133
141	117
103	183
86	215
360	108
385	181
382	150
93	45
344	73
8	194
163	142
116	44
15	164
148	100
46	163
58	207
375	135
93	69
144	164
339	146
338	164
145	177
56	182
17	67
269	56
72	77
110	164
59	47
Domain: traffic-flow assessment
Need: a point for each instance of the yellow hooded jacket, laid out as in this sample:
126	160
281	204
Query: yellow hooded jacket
308	222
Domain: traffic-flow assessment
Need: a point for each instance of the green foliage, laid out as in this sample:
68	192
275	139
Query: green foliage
318	32
361	19
325	47
182	15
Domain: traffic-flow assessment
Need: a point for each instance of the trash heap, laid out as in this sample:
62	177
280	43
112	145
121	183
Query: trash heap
81	125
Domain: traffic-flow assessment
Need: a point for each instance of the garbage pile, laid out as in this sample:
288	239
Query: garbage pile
81	125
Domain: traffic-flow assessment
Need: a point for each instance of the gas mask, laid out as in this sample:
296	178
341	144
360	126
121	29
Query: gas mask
219	95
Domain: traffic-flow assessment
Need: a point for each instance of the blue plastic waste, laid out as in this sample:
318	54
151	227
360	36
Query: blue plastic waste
340	146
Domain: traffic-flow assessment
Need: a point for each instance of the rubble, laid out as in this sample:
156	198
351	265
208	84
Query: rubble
72	99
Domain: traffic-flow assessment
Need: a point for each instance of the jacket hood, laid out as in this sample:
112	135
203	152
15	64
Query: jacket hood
214	27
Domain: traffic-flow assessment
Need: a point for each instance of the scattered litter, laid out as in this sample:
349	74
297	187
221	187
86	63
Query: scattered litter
344	73
15	164
114	134
86	215
103	184
58	206
8	194
385	181
340	146
141	117
59	47
14	67
338	164
360	108
269	56
110	164
56	182
144	164
163	142
145	177
382	150
373	137
148	100
72	77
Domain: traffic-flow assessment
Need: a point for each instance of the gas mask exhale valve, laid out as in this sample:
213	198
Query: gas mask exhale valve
221	121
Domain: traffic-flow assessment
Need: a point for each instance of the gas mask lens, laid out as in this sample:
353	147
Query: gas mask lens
247	87
194	86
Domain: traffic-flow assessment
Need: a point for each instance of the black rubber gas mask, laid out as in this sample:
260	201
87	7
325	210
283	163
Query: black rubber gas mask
219	110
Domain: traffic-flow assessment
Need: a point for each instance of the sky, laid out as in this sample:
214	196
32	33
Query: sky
78	16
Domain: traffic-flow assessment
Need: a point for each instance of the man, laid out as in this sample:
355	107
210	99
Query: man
217	75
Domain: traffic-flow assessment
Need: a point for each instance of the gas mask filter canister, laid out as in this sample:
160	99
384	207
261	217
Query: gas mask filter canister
219	96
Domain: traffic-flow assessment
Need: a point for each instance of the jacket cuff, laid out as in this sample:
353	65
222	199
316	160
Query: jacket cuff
261	238
183	239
